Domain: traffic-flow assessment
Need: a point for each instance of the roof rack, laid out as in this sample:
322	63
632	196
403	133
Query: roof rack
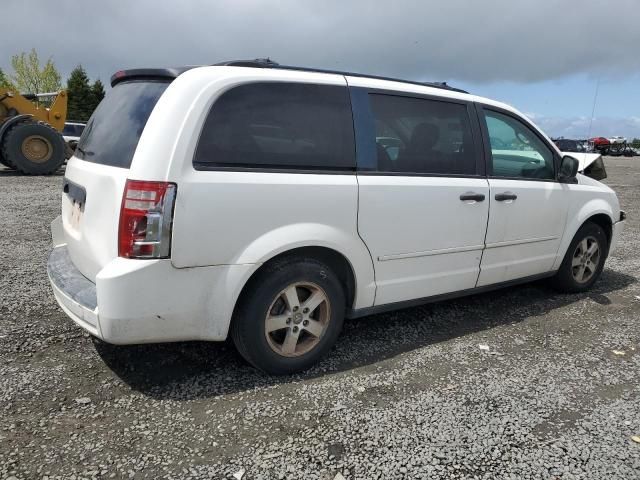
268	63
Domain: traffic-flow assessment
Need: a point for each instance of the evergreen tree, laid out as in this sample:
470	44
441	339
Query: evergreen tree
80	95
97	94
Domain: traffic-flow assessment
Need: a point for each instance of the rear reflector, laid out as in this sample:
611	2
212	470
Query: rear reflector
146	218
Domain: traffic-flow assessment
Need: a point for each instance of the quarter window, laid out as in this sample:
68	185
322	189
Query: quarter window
279	125
516	151
415	135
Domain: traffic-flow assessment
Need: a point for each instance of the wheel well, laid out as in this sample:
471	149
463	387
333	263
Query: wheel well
604	221
335	260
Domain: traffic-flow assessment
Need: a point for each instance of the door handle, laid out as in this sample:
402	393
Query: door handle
501	197
467	196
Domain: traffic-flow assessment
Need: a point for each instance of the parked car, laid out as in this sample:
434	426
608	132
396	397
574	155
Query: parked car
71	134
254	201
600	144
619	146
566	145
617	140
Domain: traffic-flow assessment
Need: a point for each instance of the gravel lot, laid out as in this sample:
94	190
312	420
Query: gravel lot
403	395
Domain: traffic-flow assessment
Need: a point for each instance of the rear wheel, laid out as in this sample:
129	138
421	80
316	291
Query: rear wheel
584	260
33	148
290	316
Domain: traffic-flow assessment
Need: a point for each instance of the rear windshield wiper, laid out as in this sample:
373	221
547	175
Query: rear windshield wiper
84	152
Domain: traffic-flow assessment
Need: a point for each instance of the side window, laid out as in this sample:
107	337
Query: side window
279	125
516	151
415	135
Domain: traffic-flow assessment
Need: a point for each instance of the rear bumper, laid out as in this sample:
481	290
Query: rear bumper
75	293
147	301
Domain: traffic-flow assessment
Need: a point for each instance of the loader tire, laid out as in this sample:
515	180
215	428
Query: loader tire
4	162
33	148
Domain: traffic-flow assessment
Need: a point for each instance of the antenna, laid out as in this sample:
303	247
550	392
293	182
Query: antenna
593	109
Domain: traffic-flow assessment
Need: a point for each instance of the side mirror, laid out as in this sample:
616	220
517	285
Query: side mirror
568	170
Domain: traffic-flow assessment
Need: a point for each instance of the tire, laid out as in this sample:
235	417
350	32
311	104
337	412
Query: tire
4	162
33	148
568	277
267	295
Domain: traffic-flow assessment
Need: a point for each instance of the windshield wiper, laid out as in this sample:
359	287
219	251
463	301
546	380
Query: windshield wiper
84	152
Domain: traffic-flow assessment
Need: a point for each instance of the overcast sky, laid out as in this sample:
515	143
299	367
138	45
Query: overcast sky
543	56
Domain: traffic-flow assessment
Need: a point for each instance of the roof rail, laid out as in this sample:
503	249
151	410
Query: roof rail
268	63
257	63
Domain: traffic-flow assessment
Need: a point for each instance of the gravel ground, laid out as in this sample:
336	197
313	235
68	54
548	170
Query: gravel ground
403	395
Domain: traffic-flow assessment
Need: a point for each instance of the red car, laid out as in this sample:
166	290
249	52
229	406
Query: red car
600	144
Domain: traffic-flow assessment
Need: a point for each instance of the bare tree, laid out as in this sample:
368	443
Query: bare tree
29	77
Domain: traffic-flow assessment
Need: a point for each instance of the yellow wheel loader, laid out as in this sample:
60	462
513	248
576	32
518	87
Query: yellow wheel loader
30	138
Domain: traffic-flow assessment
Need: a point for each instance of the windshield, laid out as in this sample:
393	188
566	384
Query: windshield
112	133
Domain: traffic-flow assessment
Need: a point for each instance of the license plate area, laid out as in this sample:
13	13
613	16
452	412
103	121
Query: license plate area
77	196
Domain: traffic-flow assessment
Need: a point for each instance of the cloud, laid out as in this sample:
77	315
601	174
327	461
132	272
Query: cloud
579	127
472	41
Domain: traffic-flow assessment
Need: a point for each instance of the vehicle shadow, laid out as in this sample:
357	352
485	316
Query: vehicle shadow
188	370
8	172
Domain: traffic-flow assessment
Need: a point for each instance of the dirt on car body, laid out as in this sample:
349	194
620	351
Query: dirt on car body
408	394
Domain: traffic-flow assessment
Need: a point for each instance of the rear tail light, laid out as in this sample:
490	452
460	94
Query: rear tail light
146	218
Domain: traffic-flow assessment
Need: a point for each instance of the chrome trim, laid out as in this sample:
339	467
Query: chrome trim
167	220
429	253
520	242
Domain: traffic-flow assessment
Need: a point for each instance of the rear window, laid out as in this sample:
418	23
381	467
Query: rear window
72	130
112	133
279	126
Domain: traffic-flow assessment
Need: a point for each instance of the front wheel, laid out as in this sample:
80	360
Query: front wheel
289	316
584	260
33	148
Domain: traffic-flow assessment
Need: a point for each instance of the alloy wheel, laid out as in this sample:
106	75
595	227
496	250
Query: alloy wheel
297	319
586	259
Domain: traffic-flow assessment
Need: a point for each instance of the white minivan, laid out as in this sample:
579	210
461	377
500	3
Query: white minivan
269	203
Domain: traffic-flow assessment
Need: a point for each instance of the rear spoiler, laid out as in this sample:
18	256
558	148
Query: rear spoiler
167	74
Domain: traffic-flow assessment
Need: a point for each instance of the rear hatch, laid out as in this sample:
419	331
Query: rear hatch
95	177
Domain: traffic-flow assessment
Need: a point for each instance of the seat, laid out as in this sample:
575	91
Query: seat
384	160
419	156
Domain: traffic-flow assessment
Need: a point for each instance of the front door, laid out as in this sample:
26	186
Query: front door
528	207
423	204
